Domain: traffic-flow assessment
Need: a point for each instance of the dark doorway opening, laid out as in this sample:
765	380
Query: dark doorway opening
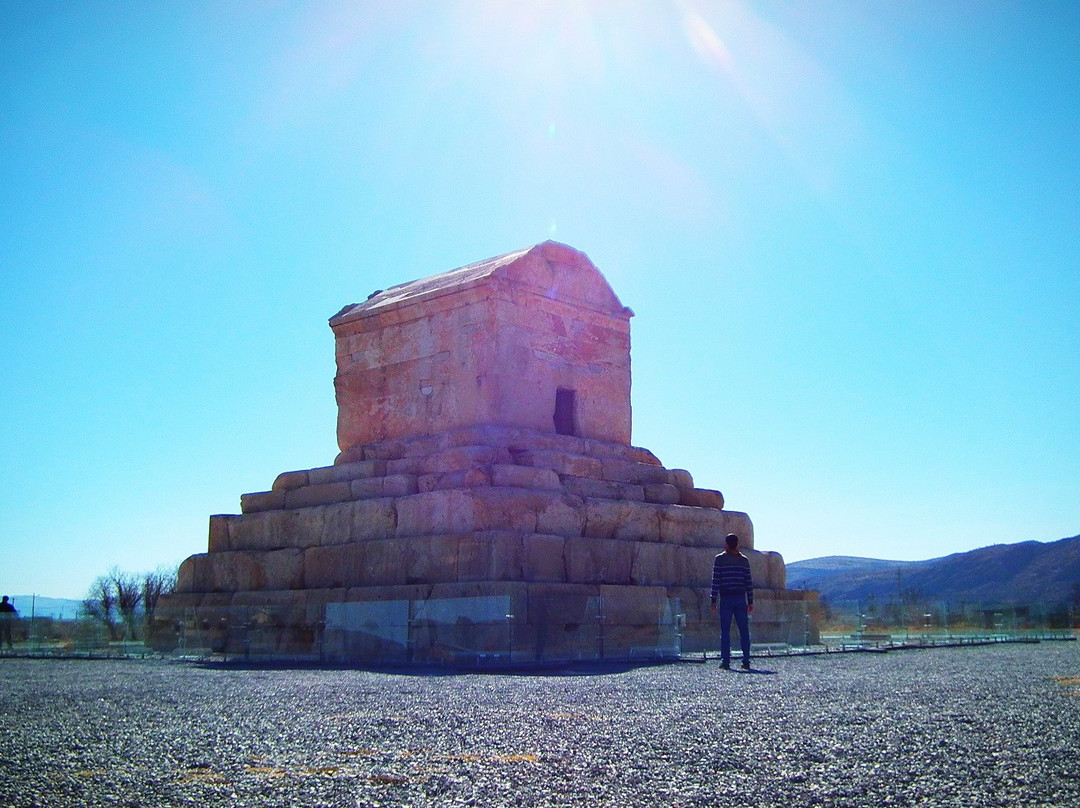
564	412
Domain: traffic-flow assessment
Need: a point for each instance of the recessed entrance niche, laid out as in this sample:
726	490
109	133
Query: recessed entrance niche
564	411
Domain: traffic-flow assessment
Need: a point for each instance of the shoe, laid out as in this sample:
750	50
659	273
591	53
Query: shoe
746	665
725	665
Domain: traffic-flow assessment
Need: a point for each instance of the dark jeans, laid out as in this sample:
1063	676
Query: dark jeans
733	606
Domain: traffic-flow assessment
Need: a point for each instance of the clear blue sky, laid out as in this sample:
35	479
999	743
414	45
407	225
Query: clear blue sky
850	232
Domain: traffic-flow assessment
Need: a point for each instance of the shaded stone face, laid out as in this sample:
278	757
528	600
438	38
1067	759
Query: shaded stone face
534	339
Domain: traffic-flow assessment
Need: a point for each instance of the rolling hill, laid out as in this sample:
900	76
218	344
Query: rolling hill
1024	573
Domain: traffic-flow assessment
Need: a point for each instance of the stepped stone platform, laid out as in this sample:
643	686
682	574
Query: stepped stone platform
551	522
486	499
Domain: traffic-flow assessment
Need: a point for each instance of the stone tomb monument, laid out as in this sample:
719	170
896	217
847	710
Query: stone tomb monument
487	502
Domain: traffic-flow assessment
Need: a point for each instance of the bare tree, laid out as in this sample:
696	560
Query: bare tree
129	594
100	604
161	581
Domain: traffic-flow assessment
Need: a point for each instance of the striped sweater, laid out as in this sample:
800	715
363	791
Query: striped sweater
731	576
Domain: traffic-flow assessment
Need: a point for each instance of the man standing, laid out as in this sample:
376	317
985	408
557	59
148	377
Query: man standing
7	617
734	587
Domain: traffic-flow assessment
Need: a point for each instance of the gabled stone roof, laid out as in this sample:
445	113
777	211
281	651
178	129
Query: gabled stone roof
554	269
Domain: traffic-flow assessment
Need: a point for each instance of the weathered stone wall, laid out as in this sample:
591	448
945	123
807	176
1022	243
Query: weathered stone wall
486	344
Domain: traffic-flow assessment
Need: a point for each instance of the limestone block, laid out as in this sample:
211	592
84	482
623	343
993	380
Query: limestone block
357	470
624	471
700	527
561	462
513	476
542	558
373	519
220	602
177	606
694	602
619	451
458	458
414	592
266	599
328	524
566	606
419	446
514	590
767	569
344	565
393	448
387	562
403	465
461	458
461	511
693	566
262	501
603	489
472	478
284	569
236	571
643	642
639	454
189	576
399	485
340	523
469	509
378	563
559	515
219	533
353	454
271	612
318	495
662	493
262	531
682	478
317	600
523	440
608	519
306	527
289	480
489	555
368	488
776	571
653	564
634	605
701	498
429	559
325	474
739	524
594	561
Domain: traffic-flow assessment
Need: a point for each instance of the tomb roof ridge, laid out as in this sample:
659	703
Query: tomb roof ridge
469	275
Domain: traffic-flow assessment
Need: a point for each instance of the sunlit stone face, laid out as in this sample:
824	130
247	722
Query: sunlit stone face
533	339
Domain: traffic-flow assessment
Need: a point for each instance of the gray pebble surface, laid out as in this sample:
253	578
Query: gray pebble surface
987	726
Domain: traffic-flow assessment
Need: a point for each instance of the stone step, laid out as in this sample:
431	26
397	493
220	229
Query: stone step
493	555
476	466
496	436
463	510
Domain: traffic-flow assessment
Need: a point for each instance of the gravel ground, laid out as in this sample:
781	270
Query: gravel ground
944	727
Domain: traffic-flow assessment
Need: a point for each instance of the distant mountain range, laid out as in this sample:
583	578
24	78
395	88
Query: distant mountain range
1025	573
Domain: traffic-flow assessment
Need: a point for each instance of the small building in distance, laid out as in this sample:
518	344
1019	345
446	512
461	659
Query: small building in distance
486	503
